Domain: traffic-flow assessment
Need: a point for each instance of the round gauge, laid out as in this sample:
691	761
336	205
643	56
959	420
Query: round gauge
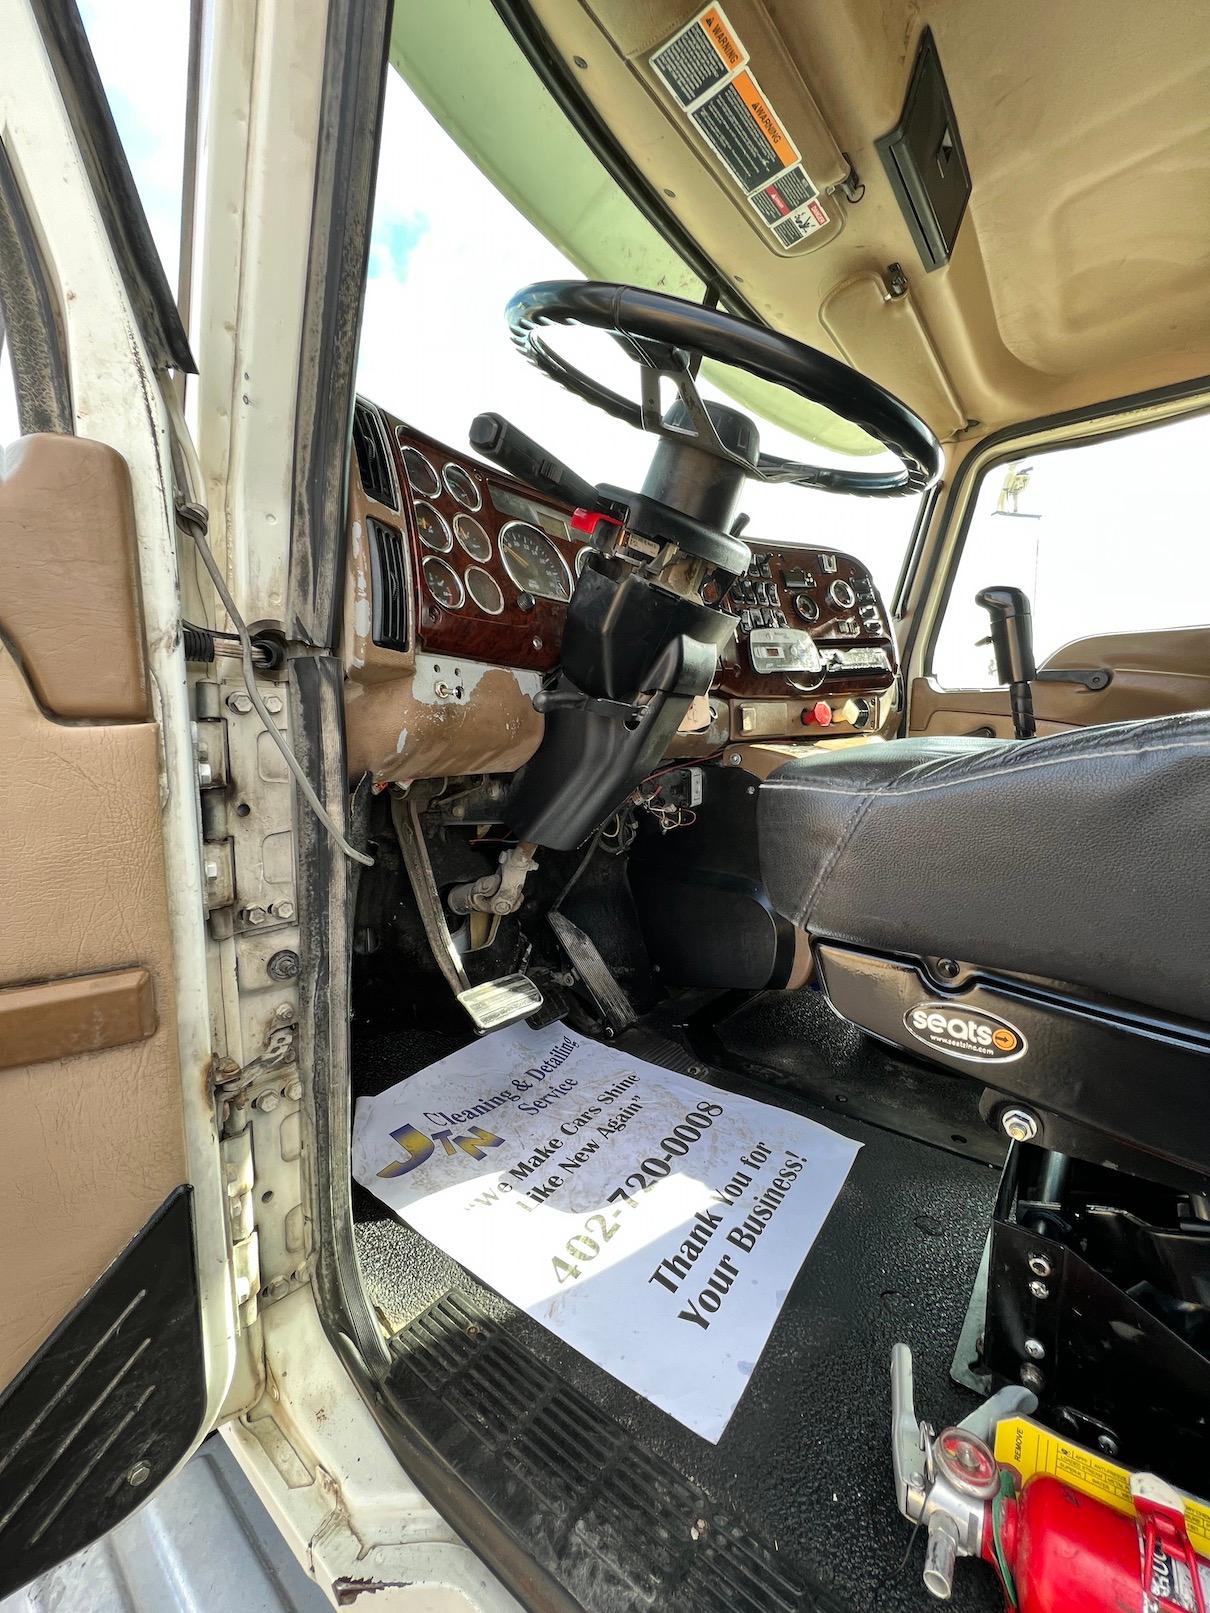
841	594
421	474
442	582
472	537
806	607
430	524
533	562
484	590
582	558
460	484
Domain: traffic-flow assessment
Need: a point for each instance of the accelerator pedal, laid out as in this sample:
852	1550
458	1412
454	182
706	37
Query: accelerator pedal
500	1002
612	1002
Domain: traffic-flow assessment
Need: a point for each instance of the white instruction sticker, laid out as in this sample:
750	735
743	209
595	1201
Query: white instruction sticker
653	1223
705	69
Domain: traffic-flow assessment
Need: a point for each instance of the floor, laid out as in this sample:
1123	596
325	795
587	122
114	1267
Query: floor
805	1460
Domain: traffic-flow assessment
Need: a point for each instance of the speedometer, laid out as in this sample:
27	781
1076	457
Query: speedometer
533	562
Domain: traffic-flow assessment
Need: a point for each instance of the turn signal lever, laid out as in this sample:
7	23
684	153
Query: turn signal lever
497	438
1012	640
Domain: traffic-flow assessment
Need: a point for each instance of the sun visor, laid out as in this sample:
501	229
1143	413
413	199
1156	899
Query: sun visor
878	329
725	86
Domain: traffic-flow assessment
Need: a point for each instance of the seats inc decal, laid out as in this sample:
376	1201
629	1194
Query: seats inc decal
965	1033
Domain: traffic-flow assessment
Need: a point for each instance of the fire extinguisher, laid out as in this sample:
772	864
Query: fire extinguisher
1055	1548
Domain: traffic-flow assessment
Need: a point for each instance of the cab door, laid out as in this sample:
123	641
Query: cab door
1107	537
116	1295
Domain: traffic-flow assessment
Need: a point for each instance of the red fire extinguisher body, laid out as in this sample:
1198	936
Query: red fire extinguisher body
1069	1553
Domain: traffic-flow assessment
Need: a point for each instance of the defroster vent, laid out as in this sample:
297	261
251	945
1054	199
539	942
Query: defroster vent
373	456
388	585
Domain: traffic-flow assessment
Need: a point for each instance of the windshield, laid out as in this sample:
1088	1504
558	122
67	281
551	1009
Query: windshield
447	251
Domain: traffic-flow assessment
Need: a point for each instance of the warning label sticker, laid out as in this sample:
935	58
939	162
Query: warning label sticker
705	69
1029	1448
790	206
700	57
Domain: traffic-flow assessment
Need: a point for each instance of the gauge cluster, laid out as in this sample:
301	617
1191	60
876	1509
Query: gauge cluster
496	566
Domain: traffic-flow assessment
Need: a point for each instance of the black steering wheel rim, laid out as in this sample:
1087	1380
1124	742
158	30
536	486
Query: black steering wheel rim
638	317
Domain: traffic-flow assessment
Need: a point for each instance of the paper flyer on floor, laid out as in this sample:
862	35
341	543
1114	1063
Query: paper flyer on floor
651	1221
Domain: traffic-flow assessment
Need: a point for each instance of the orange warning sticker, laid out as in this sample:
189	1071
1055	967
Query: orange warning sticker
766	121
705	68
700	57
716	29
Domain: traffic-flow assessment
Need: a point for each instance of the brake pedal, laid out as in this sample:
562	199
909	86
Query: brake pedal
495	1003
491	1004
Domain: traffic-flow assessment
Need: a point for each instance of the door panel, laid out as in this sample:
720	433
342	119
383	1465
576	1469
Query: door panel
69	597
92	1144
1154	674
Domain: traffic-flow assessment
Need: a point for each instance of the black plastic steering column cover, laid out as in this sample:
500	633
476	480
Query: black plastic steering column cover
673	323
626	640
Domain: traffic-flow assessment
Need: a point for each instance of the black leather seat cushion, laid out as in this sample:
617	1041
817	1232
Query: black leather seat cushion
1083	857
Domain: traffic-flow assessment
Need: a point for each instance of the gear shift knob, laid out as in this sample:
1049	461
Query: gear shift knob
1013	644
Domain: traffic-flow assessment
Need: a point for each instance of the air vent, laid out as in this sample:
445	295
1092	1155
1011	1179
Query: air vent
389	586
373	456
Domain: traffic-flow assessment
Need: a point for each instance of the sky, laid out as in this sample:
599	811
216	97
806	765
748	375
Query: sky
141	49
447	251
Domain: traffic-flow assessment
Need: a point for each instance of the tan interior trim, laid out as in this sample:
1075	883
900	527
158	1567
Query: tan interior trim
1154	674
90	1145
763	758
69	583
82	1014
1059	292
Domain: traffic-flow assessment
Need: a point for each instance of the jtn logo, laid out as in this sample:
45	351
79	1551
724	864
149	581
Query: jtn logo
418	1147
964	1033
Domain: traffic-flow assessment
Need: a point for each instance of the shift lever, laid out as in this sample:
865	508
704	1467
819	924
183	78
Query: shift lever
1013	643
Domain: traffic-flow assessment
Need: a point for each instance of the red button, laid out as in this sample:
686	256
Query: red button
820	712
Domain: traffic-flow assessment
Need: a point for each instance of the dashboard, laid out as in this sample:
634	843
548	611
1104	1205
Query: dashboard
453	561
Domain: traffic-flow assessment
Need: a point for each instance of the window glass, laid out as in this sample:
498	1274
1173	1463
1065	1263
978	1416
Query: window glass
1104	537
141	48
448	250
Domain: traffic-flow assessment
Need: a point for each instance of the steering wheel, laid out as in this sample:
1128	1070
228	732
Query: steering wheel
664	334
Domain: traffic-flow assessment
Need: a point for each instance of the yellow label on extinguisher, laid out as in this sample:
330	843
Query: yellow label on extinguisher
1030	1449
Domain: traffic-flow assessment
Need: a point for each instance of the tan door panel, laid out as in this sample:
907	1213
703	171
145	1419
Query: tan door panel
69	596
1154	674
91	1122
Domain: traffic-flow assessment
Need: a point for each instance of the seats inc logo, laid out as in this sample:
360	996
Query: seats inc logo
965	1033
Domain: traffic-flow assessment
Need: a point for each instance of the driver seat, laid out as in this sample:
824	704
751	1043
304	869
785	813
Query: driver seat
1067	877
